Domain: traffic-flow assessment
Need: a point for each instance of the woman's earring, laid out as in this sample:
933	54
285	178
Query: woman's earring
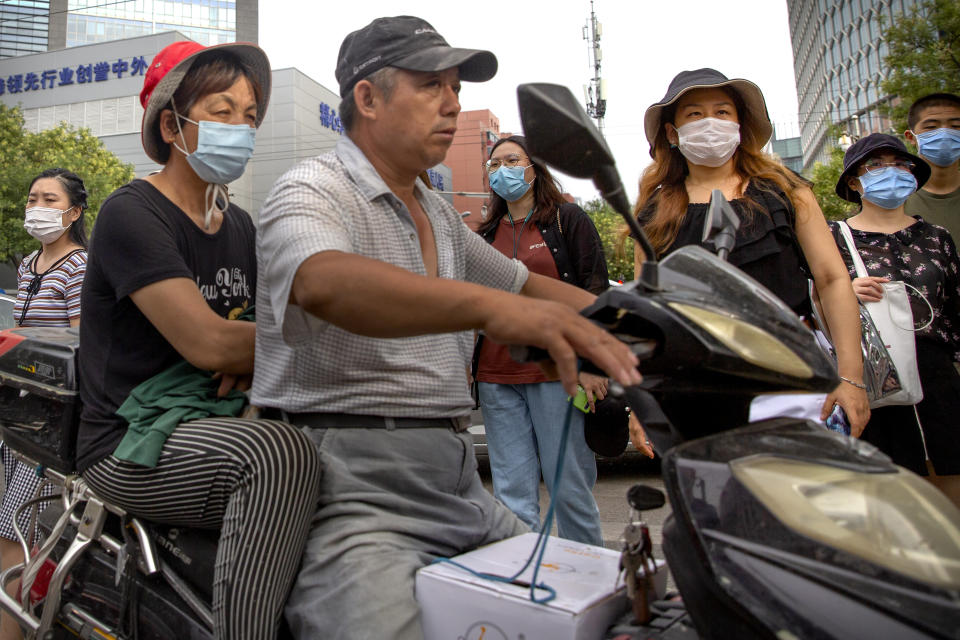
673	146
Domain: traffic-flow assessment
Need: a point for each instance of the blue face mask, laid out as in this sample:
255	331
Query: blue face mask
222	150
940	146
888	188
508	183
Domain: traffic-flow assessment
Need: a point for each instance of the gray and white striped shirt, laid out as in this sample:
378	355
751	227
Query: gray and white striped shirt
338	202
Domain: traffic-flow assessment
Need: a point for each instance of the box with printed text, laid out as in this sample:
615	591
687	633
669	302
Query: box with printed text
458	605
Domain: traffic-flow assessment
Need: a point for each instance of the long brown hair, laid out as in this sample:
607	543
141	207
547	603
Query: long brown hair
547	195
662	202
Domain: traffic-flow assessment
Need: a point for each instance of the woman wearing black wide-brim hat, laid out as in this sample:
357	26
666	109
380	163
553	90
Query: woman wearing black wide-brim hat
880	174
708	133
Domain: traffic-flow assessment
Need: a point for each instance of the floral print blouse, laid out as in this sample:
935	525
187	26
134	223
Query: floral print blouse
923	255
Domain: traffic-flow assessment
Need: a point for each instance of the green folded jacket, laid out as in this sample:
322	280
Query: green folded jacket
157	405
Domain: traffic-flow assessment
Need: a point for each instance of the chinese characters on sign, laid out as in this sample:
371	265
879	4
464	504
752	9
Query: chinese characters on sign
81	74
436	178
329	118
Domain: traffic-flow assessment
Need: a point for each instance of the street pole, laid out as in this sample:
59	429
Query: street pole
596	93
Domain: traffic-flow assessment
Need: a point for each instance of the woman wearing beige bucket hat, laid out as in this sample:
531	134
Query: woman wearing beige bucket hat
708	133
172	265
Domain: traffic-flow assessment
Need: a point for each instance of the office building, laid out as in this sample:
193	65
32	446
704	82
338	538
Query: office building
32	26
789	152
24	27
477	131
838	53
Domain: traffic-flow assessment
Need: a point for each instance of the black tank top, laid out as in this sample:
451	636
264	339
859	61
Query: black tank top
767	249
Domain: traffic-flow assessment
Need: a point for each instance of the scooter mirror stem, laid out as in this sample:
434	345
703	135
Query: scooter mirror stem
721	224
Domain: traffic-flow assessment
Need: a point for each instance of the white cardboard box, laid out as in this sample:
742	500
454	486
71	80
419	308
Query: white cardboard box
457	605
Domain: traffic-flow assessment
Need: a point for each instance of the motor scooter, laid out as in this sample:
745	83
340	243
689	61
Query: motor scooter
780	529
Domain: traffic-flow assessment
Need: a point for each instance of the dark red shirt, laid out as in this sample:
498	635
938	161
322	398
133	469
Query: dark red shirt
524	242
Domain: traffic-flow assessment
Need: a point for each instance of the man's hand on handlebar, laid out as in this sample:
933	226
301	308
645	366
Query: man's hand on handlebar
564	334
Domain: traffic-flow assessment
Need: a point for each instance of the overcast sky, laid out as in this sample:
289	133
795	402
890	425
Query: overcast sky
644	43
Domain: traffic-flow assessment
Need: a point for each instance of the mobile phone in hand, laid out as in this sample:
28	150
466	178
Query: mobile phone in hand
837	421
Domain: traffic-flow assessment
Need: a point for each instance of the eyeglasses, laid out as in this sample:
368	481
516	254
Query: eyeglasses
511	161
876	164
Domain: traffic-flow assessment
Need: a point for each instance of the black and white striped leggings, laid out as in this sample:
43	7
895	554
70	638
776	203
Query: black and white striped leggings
257	480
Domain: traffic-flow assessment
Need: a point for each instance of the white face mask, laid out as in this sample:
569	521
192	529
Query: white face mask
709	142
45	224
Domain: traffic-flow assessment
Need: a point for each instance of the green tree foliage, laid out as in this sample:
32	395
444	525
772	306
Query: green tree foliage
616	247
24	155
924	54
825	178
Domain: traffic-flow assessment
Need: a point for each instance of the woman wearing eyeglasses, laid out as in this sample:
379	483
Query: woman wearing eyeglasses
880	174
524	409
48	295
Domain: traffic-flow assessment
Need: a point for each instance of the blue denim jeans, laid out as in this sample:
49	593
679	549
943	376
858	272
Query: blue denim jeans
524	423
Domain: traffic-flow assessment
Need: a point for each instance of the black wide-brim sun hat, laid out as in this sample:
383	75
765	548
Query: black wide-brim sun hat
868	146
709	79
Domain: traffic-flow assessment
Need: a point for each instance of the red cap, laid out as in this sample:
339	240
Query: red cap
168	69
167	59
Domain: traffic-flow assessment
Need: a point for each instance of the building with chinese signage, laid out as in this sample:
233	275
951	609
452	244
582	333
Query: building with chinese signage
33	26
97	86
477	131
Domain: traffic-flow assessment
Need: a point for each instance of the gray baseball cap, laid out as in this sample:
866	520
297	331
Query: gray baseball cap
409	43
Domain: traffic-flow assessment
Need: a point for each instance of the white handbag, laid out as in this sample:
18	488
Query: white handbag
893	319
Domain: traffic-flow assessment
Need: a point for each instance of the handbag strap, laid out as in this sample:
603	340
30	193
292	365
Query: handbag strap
852	248
862	273
929	306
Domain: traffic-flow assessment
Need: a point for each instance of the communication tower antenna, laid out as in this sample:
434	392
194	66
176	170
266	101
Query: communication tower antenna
595	93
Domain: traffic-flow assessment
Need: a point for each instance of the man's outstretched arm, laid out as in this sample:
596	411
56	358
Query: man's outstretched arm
376	299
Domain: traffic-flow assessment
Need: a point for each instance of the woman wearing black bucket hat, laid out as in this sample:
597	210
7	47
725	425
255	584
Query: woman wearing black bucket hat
708	133
880	174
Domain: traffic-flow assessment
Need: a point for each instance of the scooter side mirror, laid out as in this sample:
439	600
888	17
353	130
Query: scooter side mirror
560	133
721	224
644	498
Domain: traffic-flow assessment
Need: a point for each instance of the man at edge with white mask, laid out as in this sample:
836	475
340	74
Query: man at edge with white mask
371	287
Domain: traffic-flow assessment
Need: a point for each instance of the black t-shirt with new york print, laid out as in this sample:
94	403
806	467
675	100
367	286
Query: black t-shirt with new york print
141	238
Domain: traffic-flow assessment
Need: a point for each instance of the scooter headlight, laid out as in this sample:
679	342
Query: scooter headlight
751	343
895	520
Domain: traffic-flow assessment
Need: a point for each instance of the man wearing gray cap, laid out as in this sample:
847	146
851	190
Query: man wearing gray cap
370	286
